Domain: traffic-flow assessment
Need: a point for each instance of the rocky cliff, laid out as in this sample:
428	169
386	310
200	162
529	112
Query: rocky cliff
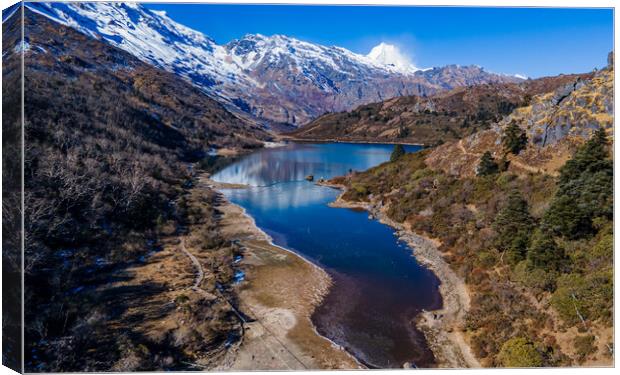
555	124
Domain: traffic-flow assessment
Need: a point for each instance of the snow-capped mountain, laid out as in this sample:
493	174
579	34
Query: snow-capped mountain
151	36
271	79
389	55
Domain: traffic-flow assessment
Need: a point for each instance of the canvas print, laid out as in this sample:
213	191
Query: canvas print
227	187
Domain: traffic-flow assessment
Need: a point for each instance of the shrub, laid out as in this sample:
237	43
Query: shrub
504	179
535	278
360	189
519	352
486	259
421	173
603	249
590	294
584	346
181	299
503	164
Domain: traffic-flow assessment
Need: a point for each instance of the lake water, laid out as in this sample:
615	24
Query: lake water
379	287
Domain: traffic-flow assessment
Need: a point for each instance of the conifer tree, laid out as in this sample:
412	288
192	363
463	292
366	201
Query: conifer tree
514	139
513	225
544	253
585	191
487	165
398	151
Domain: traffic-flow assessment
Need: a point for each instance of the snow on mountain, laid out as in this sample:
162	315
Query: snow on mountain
151	36
154	37
277	79
389	55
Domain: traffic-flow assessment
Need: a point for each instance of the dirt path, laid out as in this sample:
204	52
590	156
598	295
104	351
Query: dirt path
200	273
512	159
464	151
277	350
521	165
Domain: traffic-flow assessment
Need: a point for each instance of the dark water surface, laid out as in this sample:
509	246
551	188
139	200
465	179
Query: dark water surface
379	287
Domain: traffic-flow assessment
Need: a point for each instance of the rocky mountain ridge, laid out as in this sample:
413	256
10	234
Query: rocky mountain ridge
62	63
267	79
431	119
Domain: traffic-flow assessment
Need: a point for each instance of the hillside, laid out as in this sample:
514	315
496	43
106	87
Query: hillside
555	123
109	142
61	63
276	80
528	227
430	119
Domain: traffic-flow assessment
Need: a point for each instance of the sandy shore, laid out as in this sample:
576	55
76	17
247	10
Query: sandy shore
281	292
442	328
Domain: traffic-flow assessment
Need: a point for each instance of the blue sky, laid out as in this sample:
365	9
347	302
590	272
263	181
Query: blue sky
531	41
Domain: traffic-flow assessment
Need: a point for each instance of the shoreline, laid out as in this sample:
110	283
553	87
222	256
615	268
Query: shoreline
443	327
330	140
283	291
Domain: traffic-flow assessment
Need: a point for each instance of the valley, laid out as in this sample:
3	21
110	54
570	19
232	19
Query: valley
369	268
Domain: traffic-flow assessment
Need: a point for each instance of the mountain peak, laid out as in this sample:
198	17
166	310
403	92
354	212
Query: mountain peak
391	56
268	78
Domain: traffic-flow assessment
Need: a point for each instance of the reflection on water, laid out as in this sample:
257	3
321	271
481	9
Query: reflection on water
284	195
296	161
378	286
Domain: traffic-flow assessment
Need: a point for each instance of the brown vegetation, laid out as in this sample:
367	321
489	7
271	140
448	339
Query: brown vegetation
109	140
11	206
